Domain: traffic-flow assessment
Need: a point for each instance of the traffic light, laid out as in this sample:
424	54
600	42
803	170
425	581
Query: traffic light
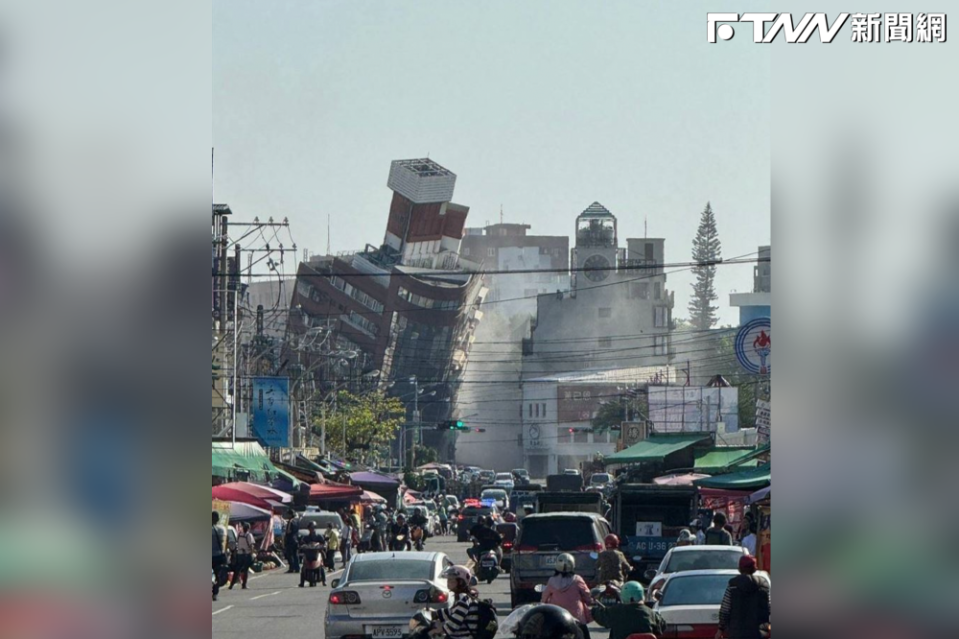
453	424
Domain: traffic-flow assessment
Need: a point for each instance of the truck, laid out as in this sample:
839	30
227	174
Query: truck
564	483
648	518
554	502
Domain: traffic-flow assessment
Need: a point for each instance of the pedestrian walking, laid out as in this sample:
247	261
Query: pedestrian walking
332	543
717	535
291	539
745	605
568	591
219	553
347	542
749	541
444	520
245	553
686	538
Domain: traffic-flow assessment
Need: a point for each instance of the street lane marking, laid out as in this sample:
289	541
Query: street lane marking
268	595
216	612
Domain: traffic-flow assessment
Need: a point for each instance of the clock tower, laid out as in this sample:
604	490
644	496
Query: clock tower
597	247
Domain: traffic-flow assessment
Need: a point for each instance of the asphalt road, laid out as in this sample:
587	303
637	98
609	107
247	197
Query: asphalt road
273	605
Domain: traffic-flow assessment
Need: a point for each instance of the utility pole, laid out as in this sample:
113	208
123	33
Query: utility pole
418	439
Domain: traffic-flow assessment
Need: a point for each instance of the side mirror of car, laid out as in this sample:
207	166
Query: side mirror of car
335	583
649	575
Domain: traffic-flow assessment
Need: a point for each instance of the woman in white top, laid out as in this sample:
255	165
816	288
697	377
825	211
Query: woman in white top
245	553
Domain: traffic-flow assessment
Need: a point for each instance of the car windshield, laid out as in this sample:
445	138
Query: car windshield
390	570
713	559
494	494
477	512
557	533
695	590
600	478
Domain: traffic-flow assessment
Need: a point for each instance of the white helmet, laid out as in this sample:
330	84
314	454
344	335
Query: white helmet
565	563
458	572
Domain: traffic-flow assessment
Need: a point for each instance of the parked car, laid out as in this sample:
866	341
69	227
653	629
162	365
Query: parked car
686	558
470	516
498	494
321	518
542	538
689	601
379	592
571	471
504	481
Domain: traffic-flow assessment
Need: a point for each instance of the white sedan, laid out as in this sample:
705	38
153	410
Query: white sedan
504	481
689	602
379	592
685	558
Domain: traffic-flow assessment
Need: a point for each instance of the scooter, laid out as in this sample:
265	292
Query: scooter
399	542
606	594
487	568
418	536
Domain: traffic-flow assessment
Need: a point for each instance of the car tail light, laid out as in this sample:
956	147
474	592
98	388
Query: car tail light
699	631
507	545
461	518
345	598
439	597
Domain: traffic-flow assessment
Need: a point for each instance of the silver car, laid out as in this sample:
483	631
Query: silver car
379	593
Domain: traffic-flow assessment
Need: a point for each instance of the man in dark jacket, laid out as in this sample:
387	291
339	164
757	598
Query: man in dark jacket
717	535
745	605
632	616
291	539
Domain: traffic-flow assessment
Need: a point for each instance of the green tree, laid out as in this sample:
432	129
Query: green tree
733	372
368	421
614	411
706	248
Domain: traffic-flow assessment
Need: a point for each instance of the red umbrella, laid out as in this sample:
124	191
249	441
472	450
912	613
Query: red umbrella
371	498
265	493
228	493
334	491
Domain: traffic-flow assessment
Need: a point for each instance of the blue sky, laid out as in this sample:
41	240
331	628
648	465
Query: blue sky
541	107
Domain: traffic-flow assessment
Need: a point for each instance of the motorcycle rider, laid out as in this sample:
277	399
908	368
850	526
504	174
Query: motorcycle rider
611	565
418	519
486	539
568	591
631	616
397	530
459	621
546	621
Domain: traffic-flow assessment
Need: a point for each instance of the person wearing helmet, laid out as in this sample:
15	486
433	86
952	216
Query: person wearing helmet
459	621
486	539
745	604
685	538
568	591
546	621
631	616
611	565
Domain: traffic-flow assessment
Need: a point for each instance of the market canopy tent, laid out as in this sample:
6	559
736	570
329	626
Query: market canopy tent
655	448
371	498
334	492
718	460
263	492
240	512
373	479
749	479
683	479
226	493
235	459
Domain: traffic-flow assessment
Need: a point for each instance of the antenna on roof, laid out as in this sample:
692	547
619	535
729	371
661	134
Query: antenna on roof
645	227
500	213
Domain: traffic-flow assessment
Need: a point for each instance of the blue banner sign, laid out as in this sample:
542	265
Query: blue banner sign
271	411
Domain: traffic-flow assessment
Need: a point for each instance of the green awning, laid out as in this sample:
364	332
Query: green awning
230	457
655	448
718	460
749	479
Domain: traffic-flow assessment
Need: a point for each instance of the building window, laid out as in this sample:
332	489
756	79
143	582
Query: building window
537	410
491	252
580	437
563	436
605	312
658	291
659	317
466	251
639	290
531	411
544	409
659	345
605	342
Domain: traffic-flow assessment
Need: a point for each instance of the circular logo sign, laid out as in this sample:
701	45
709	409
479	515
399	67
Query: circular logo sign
387	594
534	432
753	346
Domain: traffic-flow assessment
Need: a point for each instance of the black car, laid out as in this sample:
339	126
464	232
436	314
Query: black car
470	516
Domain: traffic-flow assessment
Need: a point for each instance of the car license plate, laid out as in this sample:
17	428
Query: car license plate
385	631
549	560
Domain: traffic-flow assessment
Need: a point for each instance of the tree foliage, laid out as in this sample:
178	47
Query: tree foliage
613	412
746	382
706	248
371	421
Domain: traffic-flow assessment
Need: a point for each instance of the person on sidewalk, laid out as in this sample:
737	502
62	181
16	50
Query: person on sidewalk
332	544
291	541
219	553
745	605
245	552
347	542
